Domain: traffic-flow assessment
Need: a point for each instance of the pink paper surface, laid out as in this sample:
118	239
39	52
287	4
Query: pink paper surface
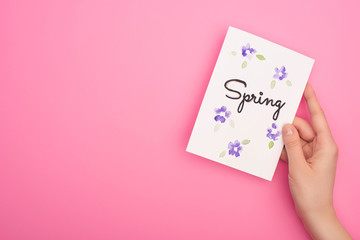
98	100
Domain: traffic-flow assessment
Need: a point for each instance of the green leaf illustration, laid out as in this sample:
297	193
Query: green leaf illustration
217	127
288	83
245	141
233	53
260	57
244	64
222	154
232	123
272	84
271	144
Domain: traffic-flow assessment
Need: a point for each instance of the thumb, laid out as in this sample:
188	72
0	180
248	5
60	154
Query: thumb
293	147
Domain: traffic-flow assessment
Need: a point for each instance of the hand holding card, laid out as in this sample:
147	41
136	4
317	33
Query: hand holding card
255	89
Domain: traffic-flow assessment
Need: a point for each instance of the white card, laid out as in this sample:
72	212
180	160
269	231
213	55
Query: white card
255	89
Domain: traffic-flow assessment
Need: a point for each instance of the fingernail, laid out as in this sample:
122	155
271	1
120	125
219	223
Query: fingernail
288	131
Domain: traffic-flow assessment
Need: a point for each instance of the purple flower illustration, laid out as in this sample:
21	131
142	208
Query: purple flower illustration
235	148
247	51
222	114
280	73
273	136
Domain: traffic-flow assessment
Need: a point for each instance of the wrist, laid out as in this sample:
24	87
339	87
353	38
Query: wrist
325	211
323	223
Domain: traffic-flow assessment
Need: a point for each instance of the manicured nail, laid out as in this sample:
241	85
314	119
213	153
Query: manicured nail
288	131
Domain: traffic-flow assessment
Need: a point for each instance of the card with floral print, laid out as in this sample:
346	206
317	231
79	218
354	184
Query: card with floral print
255	89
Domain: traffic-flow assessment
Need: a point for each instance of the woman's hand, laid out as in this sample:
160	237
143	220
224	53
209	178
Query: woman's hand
312	155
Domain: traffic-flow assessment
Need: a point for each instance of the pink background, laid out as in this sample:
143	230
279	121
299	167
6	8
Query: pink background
98	100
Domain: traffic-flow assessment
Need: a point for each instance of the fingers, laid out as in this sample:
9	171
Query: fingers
293	148
318	119
306	132
306	147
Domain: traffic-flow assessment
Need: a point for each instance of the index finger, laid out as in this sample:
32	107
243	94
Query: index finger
318	119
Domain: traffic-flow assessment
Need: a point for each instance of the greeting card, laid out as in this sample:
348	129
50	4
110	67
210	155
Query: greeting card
254	90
